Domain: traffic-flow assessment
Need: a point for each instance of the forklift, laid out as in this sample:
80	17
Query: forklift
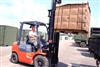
43	55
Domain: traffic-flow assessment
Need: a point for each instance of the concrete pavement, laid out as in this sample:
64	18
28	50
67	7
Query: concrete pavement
70	55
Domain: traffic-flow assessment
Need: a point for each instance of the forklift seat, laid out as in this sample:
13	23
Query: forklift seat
31	43
27	40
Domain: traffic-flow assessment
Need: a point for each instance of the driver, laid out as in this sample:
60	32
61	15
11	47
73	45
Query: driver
33	35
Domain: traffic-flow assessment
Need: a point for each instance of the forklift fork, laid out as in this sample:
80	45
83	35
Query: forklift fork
55	49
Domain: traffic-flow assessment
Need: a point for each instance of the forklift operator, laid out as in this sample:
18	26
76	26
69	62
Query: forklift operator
33	36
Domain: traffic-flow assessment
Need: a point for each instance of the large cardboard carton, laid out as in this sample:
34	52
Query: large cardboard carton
72	17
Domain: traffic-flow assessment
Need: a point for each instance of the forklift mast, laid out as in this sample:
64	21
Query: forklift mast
52	18
53	37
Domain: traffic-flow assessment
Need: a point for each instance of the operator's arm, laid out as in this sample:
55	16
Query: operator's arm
32	34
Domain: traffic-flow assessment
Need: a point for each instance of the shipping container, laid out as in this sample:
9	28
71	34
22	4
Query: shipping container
21	35
72	18
24	33
8	35
2	32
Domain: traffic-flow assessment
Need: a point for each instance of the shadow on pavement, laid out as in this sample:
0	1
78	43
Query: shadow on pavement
81	65
75	45
60	64
85	53
25	65
82	50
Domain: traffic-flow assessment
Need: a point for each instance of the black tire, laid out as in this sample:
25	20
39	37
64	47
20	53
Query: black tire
82	44
14	58
41	61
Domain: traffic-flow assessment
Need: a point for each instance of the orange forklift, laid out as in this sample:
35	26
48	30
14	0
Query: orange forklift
46	53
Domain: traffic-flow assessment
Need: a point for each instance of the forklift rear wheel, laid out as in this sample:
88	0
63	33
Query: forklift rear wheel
82	44
41	61
14	58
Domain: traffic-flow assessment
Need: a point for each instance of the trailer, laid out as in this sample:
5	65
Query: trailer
94	44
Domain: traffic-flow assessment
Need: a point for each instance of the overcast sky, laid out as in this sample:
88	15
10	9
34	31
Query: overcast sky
14	11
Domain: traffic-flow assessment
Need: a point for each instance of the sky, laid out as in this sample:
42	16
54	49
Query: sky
14	11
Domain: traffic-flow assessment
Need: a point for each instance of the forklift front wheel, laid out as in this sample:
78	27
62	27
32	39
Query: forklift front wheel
14	58
41	61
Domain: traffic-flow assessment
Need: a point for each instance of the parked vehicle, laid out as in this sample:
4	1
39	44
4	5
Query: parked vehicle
94	44
81	39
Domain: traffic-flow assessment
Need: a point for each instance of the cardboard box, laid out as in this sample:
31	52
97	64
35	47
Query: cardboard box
83	18
72	25
72	16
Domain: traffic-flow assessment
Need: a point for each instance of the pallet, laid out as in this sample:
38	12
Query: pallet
73	31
